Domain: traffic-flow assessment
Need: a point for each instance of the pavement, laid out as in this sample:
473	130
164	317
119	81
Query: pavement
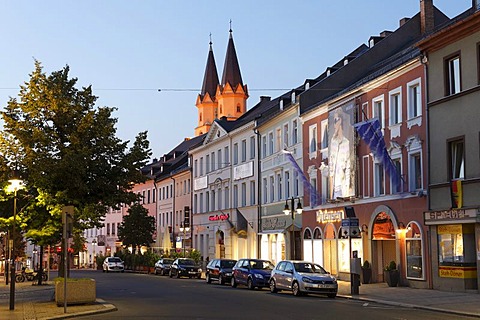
37	302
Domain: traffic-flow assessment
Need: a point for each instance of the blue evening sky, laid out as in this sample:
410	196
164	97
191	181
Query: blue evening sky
127	50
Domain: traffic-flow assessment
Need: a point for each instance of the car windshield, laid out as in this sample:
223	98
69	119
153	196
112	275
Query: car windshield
168	261
114	259
228	263
261	265
306	267
187	262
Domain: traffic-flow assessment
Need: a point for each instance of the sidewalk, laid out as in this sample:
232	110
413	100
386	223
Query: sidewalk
36	302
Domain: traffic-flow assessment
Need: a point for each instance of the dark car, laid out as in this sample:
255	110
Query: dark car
254	273
162	266
220	270
185	267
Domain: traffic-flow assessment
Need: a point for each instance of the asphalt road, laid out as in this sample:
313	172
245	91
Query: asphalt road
143	296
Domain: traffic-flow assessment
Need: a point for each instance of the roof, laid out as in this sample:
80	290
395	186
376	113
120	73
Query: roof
210	79
231	68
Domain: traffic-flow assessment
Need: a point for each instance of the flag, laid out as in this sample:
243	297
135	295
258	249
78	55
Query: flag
457	194
371	132
312	191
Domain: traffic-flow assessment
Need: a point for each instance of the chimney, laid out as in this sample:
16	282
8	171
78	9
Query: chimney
475	5
403	21
426	16
265	98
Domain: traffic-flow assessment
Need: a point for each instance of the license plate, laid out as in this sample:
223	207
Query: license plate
322	286
192	272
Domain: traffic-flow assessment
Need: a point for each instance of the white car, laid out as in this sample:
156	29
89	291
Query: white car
113	264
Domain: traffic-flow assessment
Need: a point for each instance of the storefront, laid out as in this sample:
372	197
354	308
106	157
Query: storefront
455	246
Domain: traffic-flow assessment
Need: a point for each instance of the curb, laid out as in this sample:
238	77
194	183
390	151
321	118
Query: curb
108	307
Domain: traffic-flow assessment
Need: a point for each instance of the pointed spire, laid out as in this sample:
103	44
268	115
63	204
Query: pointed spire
231	68
210	79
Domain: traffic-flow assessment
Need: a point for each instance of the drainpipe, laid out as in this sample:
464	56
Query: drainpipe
259	189
173	213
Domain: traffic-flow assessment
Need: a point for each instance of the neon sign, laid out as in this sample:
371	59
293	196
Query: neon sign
326	216
219	217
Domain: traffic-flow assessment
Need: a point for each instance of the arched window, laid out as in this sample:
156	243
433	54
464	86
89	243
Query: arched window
414	251
200	117
317	234
238	108
307	234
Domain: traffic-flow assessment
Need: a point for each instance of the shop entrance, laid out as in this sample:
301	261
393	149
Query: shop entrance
383	245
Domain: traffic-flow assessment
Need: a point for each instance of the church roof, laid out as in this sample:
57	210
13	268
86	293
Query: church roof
210	79
231	68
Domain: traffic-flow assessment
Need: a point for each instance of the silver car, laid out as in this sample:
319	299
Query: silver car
302	277
113	264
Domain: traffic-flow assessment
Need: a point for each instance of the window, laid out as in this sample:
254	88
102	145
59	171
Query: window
313	195
195	167
272	189
219	156
252	193
238	108
207	201
378	110
452	75
244	150
252	147
324	134
270	143
379	179
244	194
108	229
415	165
294	132
414	251
264	146
213	161
200	208
265	194
207	163
455	242
312	130
148	196
235	196
457	159
414	99
395	106
227	156
396	181
201	166
235	153
285	135
287	184
295	184
278	140
279	187
227	198
364	114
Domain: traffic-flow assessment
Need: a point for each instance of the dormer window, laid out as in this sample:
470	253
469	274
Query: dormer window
307	85
293	97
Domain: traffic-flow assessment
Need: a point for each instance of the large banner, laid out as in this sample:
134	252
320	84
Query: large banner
341	155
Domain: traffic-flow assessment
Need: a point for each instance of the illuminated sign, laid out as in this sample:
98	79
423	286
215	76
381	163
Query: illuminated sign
446	216
327	216
219	217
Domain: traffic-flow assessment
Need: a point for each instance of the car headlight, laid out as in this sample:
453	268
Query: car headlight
307	280
199	269
334	281
259	276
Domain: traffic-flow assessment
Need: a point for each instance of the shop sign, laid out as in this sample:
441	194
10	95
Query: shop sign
274	224
328	216
219	217
445	216
243	171
200	183
457	272
450	229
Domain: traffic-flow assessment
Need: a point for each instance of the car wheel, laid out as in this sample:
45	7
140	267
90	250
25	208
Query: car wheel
296	289
273	288
208	278
155	272
170	274
178	275
221	279
103	270
250	284
199	276
233	283
332	295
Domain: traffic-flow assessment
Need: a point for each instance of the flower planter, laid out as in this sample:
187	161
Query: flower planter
79	291
392	277
366	275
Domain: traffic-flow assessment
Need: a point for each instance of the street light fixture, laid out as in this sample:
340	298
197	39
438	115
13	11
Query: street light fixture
15	184
184	228
292	212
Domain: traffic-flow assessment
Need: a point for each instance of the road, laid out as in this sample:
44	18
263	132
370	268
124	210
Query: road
143	296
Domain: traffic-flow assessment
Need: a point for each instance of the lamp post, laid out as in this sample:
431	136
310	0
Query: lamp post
15	185
94	243
34	253
292	212
184	228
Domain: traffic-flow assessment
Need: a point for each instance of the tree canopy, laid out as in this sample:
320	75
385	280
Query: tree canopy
137	228
68	153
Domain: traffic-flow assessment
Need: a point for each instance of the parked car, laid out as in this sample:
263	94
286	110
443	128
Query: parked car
162	266
113	264
302	277
219	270
185	267
254	273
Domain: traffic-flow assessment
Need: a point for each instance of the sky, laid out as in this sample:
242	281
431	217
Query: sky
128	50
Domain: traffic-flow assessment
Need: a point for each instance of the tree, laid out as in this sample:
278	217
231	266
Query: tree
137	227
68	153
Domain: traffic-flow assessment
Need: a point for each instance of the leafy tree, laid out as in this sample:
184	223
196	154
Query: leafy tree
137	227
68	153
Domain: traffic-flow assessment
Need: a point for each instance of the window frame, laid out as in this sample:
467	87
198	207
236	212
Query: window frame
395	108
451	88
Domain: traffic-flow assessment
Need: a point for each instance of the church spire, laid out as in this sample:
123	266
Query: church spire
231	68
210	79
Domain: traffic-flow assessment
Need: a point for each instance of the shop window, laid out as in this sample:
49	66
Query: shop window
456	248
307	234
414	252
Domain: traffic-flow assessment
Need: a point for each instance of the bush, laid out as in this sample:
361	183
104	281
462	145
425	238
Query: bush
100	260
195	255
391	266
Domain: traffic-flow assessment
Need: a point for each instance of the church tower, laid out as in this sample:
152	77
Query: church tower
226	99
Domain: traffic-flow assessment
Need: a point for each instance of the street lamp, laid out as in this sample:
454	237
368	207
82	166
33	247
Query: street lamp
292	212
184	228
34	253
15	185
94	243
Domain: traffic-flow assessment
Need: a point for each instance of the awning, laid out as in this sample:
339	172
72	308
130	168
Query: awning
242	224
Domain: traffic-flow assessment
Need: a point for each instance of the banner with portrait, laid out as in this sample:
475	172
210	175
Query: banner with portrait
341	155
